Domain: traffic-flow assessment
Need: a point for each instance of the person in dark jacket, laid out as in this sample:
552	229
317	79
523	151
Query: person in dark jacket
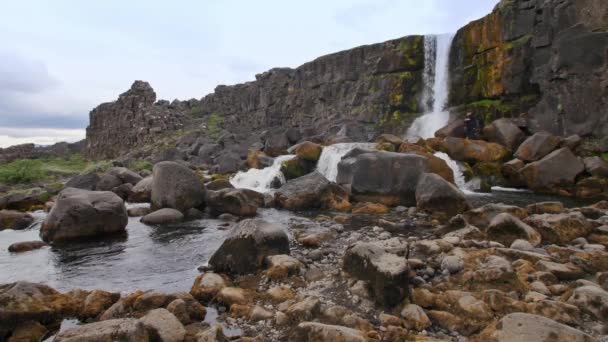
471	126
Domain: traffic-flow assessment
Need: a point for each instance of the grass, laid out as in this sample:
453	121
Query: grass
140	165
25	171
214	125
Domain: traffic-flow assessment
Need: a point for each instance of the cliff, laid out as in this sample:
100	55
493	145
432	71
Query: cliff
545	58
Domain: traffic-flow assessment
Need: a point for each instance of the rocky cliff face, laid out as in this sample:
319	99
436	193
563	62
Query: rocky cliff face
132	120
546	58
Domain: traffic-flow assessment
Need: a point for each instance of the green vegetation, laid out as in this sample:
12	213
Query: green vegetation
196	112
605	156
214	125
24	171
140	165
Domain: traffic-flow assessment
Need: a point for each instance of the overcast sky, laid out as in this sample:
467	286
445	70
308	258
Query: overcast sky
61	58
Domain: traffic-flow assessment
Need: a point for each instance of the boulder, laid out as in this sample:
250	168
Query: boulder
510	170
572	142
505	132
389	139
415	317
163	325
434	163
482	216
560	228
531	328
592	300
238	202
142	191
297	167
11	219
207	285
506	228
438	196
84	214
545	208
22	201
303	192
472	151
228	162
163	216
276	143
127	329
26	246
311	331
537	146
125	175
107	182
207	152
452	129
308	151
382	177
248	245
175	186
596	166
560	271
381	266
219	184
96	303
559	168
85	182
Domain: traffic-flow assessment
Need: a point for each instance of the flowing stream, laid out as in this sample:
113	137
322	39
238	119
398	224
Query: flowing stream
331	156
261	180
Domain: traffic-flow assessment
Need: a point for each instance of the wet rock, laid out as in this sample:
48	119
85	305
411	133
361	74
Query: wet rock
232	295
472	151
11	219
26	246
505	132
560	228
531	328
482	216
506	228
537	146
163	216
219	184
302	193
281	266
310	331
372	176
127	329
238	202
415	318
29	331
96	303
559	168
308	151
561	271
207	285
22	201
596	166
151	300
163	325
592	300
370	209
247	246
545	208
511	170
436	195
138	211
177	187
179	309
386	272
453	129
142	191
84	214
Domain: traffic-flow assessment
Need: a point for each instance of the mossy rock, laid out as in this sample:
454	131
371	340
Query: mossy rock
297	167
308	151
490	173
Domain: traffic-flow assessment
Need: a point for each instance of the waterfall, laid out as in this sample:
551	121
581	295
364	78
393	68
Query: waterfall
436	87
261	180
456	169
331	156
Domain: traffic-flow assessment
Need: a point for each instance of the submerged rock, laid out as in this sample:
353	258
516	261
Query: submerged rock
163	216
26	246
175	186
248	245
84	214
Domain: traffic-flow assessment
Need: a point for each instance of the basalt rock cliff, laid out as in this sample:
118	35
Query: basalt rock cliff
545	58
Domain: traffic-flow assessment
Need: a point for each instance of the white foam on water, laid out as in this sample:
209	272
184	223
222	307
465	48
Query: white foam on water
332	155
261	180
500	188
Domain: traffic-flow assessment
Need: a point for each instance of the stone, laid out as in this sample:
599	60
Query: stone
11	219
151	300
163	325
127	329
592	300
308	151
511	170
452	264
177	187
558	168
415	318
179	309
596	166
238	202
26	246
22	201
96	303
506	228
310	331
505	132
258	313
163	216
382	177
125	175
386	272
219	184
142	191
107	182
522	245
207	285
546	208
138	211
29	331
366	208
228	163
561	271
283	263
85	182
560	228
248	245
437	196
482	216
81	214
453	129
572	142
304	310
276	142
280	293
302	193
537	146
472	151
531	328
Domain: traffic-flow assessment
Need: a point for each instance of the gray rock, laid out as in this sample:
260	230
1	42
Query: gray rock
452	264
561	271
504	132
163	216
592	300
84	214
175	186
310	331
239	202
142	191
107	182
596	166
248	245
11	219
163	325
506	228
229	163
556	169
85	182
127	329
125	175
302	193
533	328
436	195
537	146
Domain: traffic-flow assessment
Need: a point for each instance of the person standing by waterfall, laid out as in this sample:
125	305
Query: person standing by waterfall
471	126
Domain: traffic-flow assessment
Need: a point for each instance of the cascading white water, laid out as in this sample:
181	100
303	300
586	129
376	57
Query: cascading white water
261	180
436	88
458	175
331	156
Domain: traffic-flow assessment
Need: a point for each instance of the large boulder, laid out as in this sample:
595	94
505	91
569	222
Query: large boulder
383	265
310	191
438	196
125	175
382	177
558	168
504	132
84	214
175	186
482	216
85	182
239	202
452	129
596	166
127	329
11	219
142	191
531	328
537	146
248	245
560	228
472	151
107	182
